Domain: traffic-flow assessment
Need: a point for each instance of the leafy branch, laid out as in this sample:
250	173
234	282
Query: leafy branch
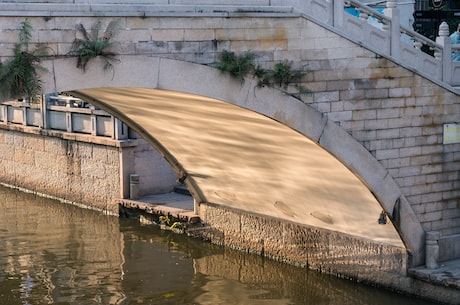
95	43
19	76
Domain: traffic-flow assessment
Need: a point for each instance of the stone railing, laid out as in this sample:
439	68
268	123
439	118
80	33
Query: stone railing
63	114
384	34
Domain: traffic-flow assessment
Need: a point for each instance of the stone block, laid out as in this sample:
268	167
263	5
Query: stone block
329	96
376	124
339	116
399	92
384	154
388	113
376	93
365	114
135	35
393	133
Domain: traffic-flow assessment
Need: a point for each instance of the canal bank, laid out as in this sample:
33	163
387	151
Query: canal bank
440	285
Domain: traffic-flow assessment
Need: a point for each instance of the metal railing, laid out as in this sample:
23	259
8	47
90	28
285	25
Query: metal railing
66	114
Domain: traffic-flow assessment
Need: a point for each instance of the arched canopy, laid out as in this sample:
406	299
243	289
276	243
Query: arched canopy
244	160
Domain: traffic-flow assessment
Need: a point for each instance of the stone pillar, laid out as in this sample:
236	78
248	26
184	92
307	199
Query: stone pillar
134	186
338	13
444	55
120	129
392	11
432	250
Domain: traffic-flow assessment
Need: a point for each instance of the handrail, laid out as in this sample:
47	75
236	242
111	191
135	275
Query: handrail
432	58
48	116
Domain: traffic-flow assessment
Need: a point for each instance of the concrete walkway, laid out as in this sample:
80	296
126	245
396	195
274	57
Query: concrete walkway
175	204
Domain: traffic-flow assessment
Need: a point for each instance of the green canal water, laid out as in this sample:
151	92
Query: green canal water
55	253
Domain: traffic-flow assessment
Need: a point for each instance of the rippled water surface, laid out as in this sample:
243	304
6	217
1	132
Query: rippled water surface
54	253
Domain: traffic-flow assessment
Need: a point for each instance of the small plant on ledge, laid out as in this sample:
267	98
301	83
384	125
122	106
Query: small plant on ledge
282	76
94	44
239	66
19	76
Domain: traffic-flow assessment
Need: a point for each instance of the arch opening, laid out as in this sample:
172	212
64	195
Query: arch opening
244	160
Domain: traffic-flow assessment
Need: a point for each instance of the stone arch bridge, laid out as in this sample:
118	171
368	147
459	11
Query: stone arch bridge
370	136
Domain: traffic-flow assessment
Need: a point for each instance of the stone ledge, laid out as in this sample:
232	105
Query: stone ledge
144	10
449	247
447	275
80	137
148	209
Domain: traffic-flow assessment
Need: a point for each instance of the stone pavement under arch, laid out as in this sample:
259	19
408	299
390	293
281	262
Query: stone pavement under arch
244	160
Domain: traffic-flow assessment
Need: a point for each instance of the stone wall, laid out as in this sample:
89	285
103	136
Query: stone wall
80	169
315	248
78	172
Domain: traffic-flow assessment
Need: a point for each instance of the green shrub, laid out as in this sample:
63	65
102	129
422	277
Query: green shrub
19	76
94	44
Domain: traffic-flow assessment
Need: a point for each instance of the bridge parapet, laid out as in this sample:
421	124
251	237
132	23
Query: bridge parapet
63	116
381	33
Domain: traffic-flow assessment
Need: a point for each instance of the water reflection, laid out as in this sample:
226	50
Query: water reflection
52	253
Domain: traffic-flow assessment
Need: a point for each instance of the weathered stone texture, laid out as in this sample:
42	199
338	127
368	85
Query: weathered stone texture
79	172
297	244
76	172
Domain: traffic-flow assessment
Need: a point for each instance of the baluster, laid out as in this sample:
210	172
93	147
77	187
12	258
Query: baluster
363	14
391	4
443	33
385	25
388	11
445	55
418	44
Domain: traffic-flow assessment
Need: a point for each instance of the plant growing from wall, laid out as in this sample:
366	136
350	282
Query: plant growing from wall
19	76
239	66
282	76
95	43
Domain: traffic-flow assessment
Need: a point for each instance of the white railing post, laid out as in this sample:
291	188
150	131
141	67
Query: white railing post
4	110
445	56
24	106
338	11
432	250
392	11
43	113
93	119
120	130
68	120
